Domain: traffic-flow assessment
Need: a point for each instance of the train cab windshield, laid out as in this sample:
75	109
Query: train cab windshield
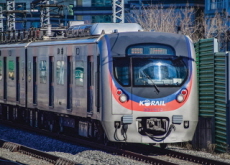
150	65
161	72
150	71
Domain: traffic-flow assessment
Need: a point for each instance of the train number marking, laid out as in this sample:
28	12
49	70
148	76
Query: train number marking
153	110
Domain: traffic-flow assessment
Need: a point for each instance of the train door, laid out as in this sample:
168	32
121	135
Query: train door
29	76
1	78
51	81
90	76
97	85
21	80
60	79
34	80
17	79
79	90
4	78
11	76
69	83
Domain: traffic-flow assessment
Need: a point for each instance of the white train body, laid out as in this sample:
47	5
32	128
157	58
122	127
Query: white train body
136	87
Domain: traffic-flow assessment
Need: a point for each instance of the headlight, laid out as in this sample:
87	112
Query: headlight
180	98
123	98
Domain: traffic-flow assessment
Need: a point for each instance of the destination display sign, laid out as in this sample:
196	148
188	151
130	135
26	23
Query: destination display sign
151	49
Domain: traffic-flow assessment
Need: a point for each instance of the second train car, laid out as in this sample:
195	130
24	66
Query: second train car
117	83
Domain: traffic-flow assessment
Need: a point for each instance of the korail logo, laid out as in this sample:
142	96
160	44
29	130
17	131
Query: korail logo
148	103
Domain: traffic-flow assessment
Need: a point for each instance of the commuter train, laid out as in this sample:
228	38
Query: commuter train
110	82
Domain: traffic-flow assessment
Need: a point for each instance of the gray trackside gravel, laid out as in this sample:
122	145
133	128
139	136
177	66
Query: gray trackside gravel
224	157
78	153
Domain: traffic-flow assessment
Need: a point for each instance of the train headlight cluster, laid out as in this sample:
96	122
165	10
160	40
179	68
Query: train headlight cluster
122	97
182	96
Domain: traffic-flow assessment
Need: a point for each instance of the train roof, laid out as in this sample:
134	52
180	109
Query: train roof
121	41
85	33
13	45
65	42
85	40
120	36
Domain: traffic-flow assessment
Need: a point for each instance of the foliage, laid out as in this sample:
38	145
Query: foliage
186	20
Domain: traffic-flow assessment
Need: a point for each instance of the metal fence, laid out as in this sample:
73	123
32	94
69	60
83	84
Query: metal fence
213	84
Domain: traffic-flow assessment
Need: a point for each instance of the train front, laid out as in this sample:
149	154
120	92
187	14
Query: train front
148	87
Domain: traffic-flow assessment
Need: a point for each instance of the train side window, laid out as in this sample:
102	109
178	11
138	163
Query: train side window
11	69
79	73
122	70
1	70
43	73
60	72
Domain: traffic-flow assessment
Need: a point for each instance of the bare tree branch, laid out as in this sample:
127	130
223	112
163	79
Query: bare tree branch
191	20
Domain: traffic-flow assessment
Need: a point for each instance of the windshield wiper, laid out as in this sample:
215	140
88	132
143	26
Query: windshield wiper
148	77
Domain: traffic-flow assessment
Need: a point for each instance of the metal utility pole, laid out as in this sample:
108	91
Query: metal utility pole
1	20
118	11
45	13
10	7
45	9
10	13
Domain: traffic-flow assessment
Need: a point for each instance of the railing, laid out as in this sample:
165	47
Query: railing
32	34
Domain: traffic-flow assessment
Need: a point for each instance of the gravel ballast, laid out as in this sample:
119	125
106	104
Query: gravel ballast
80	154
77	153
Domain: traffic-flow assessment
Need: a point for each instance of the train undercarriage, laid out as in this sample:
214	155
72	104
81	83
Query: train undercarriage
71	125
54	122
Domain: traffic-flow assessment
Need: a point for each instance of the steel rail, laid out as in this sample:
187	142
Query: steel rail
5	161
14	147
182	156
87	143
126	153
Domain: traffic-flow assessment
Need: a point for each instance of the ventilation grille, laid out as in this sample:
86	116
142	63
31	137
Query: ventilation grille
177	119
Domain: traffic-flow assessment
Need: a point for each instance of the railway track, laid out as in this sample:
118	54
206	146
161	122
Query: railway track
5	161
142	154
50	159
181	156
